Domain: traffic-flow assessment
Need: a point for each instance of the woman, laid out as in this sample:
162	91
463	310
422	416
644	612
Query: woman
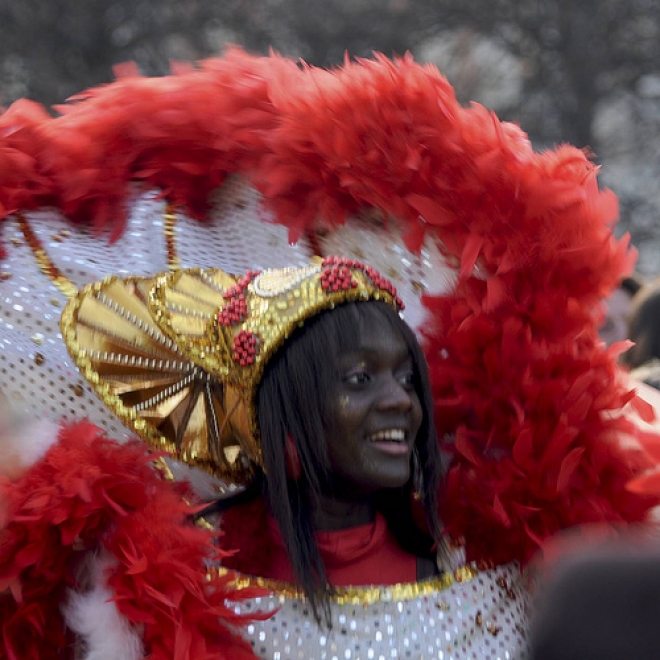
344	417
644	329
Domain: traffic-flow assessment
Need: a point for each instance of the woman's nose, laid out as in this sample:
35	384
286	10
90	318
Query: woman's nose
394	395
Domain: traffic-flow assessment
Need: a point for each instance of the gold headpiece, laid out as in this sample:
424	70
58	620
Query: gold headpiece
179	357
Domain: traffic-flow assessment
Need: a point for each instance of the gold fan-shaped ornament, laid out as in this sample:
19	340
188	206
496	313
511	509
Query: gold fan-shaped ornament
143	376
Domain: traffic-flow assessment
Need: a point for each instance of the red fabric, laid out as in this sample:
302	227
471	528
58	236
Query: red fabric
362	555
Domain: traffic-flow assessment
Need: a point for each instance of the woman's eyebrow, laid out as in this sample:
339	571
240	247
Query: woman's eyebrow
375	353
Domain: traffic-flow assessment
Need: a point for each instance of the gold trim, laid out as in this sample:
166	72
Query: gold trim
161	465
46	266
354	595
169	226
68	324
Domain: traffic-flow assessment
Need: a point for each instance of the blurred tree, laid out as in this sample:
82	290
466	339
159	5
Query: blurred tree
577	52
573	52
321	31
561	68
50	49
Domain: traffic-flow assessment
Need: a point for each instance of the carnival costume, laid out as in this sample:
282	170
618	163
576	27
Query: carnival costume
502	256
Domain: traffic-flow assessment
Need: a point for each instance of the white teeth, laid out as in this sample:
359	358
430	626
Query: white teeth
396	435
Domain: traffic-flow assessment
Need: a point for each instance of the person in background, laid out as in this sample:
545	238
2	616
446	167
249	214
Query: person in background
643	358
615	326
601	605
598	599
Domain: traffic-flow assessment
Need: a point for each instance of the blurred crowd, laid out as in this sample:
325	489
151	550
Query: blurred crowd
633	313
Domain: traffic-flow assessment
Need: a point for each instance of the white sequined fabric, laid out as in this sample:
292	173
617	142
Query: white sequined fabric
481	619
36	372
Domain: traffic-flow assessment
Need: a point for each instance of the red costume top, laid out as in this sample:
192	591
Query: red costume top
362	555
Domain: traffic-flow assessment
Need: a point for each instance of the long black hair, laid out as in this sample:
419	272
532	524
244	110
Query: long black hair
291	400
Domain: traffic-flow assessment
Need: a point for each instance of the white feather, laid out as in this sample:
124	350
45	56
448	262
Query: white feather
23	442
104	632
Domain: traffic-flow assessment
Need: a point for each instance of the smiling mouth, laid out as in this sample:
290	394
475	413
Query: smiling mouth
388	435
390	441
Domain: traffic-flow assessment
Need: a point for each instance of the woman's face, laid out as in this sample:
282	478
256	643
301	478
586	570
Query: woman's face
374	415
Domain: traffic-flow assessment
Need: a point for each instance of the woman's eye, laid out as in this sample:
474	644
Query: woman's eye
407	381
357	378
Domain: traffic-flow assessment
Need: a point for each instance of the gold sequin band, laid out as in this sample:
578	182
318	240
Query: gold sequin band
355	595
47	267
173	261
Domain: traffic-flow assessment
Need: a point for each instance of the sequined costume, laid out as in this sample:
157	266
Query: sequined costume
470	614
218	168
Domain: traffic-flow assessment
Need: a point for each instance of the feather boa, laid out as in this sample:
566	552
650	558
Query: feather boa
521	382
90	494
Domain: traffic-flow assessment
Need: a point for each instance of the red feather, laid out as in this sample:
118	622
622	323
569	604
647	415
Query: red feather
114	500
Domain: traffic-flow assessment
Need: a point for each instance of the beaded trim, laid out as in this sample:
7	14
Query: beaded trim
46	266
169	227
